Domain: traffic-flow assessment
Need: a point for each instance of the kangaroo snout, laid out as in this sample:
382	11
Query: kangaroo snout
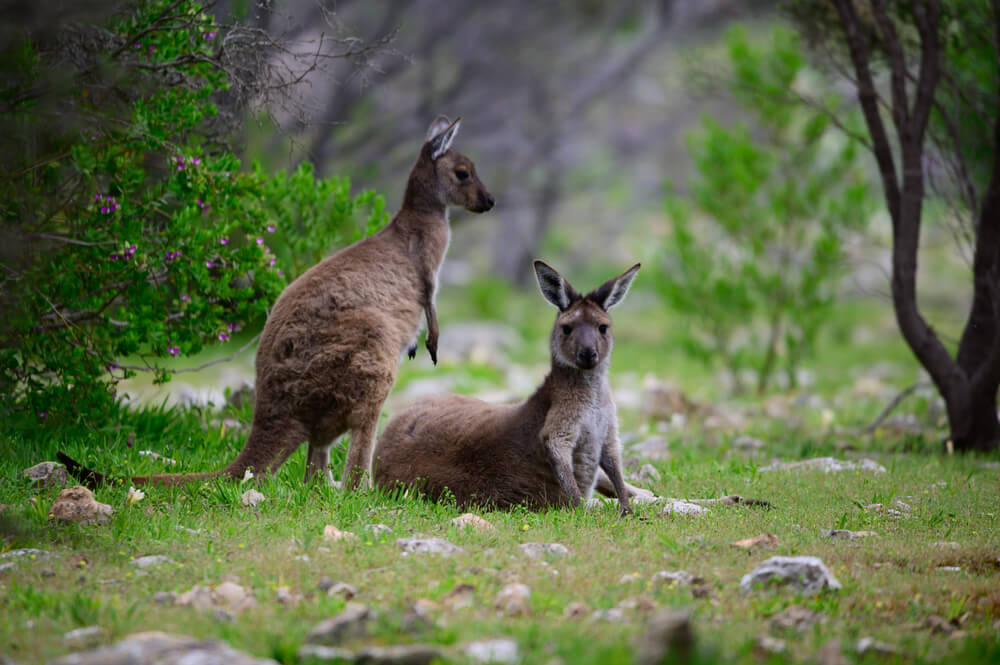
484	202
586	358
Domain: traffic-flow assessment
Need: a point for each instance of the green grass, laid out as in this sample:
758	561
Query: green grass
891	582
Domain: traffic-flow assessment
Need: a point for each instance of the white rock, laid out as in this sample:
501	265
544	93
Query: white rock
514	599
679	507
807	573
77	504
47	474
537	550
471	521
827	465
501	650
252	498
83	638
150	561
333	534
427	546
378	530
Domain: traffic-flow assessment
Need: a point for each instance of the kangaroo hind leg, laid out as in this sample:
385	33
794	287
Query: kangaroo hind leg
358	468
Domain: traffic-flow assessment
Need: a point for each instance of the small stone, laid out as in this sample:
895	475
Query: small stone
676	577
940	625
655	448
47	572
767	645
459	597
763	541
947	545
333	534
538	550
678	507
501	650
795	618
198	597
351	622
26	552
514	599
871	645
150	561
846	534
646	474
427	546
400	654
164	597
745	442
610	615
420	615
949	569
323	652
77	504
471	521
830	654
223	615
252	498
233	596
807	573
286	596
641	603
46	474
378	530
826	465
84	638
343	589
157	647
628	578
575	611
667	635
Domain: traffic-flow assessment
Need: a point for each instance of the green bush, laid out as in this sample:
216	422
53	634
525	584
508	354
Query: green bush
130	229
755	251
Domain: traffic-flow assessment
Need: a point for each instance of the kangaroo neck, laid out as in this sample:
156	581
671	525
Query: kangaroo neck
565	382
422	196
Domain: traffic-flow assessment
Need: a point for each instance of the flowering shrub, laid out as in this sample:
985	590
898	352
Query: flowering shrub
131	233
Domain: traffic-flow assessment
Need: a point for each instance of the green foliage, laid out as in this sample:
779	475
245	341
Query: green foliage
131	231
755	251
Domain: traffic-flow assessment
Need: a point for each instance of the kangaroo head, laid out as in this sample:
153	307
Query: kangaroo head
455	178
581	337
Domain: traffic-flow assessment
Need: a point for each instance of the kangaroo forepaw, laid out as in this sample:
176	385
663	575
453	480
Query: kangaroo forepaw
432	348
411	350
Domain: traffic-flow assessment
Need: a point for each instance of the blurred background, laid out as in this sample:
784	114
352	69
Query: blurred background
708	140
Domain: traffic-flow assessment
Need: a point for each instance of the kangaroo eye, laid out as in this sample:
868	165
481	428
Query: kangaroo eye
567	329
461	174
603	328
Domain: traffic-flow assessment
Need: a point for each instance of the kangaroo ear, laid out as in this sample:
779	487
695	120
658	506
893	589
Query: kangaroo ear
554	286
440	135
614	290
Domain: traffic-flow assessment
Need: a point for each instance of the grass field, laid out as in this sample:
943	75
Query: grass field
940	559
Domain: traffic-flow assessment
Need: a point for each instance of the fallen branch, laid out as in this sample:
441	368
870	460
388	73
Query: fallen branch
903	394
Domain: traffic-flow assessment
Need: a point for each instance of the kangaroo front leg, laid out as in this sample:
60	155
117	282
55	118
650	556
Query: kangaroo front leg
612	465
558	441
430	311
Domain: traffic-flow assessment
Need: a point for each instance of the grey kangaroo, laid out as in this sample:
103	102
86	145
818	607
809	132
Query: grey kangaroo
330	349
546	451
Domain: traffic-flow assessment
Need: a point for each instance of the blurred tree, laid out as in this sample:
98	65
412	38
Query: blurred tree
943	101
128	229
540	84
771	204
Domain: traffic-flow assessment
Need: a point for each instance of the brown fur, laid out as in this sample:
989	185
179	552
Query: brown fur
329	352
545	451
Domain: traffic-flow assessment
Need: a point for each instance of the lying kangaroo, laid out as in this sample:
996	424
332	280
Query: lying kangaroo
543	452
329	352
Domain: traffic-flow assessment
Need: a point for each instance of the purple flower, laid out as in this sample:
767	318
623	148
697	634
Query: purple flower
208	264
42	414
223	241
104	209
173	350
185	297
223	336
151	48
260	241
97	198
210	35
173	255
270	228
195	161
272	261
180	164
202	204
280	272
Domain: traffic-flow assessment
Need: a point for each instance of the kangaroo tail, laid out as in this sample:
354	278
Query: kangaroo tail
92	479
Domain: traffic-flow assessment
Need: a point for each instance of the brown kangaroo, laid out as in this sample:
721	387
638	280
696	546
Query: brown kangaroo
330	349
546	451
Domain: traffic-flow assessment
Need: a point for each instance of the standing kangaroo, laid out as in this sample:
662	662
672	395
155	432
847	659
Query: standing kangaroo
546	451
330	349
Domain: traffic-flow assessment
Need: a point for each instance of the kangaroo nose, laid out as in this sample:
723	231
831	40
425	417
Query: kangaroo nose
490	201
587	357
